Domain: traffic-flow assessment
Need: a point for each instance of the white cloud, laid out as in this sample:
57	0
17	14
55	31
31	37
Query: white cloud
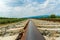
30	9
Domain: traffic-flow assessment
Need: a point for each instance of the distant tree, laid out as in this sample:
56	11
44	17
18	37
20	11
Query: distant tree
52	16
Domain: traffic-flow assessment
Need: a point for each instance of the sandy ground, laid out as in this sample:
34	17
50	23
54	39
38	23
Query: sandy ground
9	37
19	26
56	29
58	38
45	23
52	38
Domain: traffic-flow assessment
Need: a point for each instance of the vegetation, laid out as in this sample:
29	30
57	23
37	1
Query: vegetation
52	16
10	20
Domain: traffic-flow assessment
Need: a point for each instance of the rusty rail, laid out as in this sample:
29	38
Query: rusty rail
21	33
30	33
26	25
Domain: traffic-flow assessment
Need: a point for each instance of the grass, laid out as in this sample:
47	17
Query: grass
10	20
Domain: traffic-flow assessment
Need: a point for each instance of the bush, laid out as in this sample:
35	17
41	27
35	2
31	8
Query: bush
52	16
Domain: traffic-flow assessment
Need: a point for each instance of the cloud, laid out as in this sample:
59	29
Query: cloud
25	8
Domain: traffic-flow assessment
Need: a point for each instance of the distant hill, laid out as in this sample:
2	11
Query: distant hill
44	16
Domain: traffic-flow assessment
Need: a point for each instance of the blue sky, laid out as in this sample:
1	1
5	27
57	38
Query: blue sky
26	8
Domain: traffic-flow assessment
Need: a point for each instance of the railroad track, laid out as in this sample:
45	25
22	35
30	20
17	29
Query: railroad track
30	33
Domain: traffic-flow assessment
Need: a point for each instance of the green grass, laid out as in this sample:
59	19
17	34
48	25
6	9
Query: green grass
10	20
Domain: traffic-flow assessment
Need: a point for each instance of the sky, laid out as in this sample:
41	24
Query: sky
27	8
